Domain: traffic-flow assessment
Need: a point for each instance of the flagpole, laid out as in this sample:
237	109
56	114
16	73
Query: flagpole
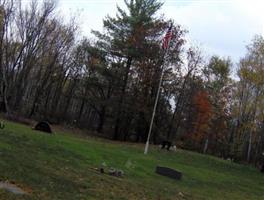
153	113
156	102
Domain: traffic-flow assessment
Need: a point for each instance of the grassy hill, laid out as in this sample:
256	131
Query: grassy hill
61	166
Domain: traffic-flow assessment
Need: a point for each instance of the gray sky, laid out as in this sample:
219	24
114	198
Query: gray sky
222	27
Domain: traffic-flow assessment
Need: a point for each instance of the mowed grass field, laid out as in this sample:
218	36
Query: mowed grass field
62	166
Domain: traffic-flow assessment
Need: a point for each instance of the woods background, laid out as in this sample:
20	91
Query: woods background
108	85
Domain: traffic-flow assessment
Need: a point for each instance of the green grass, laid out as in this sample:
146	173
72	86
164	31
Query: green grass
61	166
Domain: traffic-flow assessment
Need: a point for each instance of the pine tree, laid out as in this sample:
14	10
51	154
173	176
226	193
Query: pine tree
126	38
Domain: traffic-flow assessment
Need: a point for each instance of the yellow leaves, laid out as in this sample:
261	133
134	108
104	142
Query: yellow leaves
254	76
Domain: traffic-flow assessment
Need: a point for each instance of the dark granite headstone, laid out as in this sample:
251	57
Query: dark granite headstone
165	171
43	126
262	168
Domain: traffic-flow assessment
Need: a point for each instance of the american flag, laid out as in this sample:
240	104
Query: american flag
167	38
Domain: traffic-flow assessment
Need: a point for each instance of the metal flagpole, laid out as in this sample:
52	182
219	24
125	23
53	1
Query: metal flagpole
156	101
153	113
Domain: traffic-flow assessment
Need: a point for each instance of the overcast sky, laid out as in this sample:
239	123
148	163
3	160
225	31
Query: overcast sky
222	27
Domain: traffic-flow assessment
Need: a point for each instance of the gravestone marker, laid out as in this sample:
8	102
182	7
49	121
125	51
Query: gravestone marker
43	126
262	168
166	144
171	173
11	188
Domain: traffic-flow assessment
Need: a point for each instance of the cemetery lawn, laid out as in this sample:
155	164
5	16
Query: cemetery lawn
62	166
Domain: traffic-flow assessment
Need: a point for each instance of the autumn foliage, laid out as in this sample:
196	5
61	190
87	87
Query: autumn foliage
203	114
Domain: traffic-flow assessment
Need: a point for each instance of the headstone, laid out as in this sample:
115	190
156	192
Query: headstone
166	144
115	172
262	168
11	188
171	173
43	126
2	125
132	138
174	148
101	170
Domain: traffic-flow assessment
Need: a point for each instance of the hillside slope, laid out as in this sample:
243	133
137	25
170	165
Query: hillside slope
62	166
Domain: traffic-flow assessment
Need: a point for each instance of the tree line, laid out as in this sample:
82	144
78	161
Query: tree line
108	85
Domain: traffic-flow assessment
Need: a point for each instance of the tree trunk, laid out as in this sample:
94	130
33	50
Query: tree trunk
205	145
69	98
179	100
81	109
120	102
249	147
101	120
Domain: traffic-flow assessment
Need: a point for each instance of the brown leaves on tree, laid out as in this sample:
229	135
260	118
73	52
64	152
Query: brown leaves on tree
203	113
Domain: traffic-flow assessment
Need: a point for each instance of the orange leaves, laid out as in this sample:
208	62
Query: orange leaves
203	113
203	106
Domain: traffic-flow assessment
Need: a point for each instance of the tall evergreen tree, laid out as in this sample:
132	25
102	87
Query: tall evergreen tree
126	37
